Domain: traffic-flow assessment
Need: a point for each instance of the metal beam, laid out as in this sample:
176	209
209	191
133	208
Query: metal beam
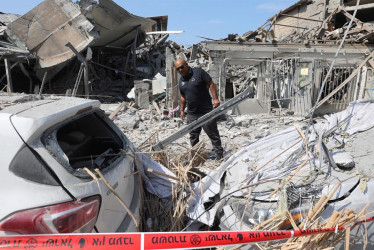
78	80
8	76
204	119
249	62
84	68
85	78
43	83
272	51
287	48
11	67
81	58
311	55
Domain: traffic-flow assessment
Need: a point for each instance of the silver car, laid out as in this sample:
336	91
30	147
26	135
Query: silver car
45	146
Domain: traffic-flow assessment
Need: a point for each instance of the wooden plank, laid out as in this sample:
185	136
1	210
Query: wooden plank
347	237
115	112
325	202
162	174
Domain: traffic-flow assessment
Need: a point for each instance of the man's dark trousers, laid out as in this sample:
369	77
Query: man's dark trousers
210	129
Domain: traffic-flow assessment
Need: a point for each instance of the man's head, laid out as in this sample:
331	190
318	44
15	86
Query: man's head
182	67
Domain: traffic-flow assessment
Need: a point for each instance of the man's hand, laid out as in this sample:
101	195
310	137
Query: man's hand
182	114
216	103
183	105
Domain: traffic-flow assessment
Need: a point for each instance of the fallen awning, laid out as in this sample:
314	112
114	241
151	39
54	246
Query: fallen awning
47	28
117	27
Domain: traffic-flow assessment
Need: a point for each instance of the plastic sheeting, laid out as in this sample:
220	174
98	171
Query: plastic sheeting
240	167
156	184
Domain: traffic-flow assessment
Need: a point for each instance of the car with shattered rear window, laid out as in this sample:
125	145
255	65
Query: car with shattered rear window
65	168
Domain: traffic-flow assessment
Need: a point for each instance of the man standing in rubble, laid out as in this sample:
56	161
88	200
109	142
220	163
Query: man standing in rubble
194	86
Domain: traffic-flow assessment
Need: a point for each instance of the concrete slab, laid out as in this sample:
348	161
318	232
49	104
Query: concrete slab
250	106
343	160
158	84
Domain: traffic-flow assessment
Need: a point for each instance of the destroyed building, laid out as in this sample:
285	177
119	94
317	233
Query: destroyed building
288	58
86	48
93	48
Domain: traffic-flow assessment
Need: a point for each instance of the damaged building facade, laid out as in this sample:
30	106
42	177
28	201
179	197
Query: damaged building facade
290	76
288	58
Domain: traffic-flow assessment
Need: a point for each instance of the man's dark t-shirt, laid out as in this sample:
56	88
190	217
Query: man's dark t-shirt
194	88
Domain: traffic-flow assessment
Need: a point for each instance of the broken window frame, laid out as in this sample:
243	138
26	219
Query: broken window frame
50	141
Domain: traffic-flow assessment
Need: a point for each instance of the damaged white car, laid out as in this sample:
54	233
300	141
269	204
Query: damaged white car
45	147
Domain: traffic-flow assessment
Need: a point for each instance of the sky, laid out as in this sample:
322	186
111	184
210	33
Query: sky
213	19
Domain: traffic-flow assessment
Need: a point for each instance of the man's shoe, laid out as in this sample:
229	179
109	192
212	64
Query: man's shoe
218	156
211	155
215	156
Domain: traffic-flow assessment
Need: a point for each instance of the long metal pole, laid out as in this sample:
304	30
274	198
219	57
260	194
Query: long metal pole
86	87
204	119
43	83
8	76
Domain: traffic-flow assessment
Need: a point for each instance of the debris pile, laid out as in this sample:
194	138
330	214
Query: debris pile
314	22
236	130
241	77
270	183
304	167
86	59
272	180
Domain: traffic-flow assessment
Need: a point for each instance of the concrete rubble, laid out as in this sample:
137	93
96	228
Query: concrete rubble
248	165
252	144
316	22
303	130
236	131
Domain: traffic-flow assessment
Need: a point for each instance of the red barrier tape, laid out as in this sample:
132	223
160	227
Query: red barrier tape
176	240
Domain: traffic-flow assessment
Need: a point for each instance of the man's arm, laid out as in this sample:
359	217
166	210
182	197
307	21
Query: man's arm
183	105
213	90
